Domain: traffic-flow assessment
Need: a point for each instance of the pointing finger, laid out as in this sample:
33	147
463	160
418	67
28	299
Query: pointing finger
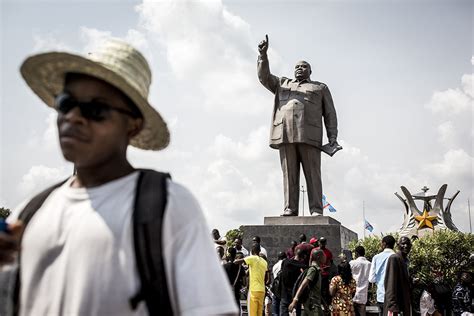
266	38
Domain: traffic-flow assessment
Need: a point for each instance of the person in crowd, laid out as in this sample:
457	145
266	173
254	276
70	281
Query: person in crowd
304	246
239	247
80	253
290	253
257	240
397	281
276	296
290	271
312	305
218	239
314	242
257	280
235	273
221	254
325	269
342	289
462	296
378	267
427	301
360	268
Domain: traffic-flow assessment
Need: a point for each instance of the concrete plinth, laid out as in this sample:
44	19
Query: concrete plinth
277	233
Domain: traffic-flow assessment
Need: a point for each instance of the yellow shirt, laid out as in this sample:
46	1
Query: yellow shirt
258	268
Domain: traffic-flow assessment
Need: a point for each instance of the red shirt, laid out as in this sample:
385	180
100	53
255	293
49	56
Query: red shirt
327	264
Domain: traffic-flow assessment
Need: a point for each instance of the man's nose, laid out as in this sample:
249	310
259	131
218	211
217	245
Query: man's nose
74	115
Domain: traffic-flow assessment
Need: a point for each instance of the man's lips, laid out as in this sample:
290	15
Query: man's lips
72	133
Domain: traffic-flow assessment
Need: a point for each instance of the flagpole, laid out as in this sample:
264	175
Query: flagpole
363	215
469	210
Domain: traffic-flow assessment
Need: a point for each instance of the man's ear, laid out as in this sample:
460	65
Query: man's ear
135	125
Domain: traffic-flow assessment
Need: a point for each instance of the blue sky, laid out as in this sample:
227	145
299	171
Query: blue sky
400	73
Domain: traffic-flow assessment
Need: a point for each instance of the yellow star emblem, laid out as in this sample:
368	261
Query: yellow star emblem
425	220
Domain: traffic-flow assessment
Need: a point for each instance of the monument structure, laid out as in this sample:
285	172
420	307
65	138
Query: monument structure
296	130
432	218
300	105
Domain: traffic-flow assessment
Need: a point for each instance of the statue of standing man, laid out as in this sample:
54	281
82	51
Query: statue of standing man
297	132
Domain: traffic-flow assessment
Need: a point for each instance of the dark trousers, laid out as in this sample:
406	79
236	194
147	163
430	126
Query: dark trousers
309	157
359	309
275	305
380	305
285	301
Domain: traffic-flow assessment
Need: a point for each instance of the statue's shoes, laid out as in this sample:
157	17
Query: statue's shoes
315	212
289	212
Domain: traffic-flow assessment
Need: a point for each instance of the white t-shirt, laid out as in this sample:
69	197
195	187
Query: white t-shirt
78	255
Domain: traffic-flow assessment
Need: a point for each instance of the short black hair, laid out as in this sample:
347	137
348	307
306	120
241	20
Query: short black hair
360	251
256	238
302	237
255	249
389	241
281	255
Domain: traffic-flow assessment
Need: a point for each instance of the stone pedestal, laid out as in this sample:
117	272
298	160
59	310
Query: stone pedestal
277	232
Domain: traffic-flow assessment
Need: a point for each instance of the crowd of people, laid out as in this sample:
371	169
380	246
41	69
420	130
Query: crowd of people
307	280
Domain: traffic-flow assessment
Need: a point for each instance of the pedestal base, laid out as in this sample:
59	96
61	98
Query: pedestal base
277	233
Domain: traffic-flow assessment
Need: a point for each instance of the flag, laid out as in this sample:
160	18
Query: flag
327	205
368	226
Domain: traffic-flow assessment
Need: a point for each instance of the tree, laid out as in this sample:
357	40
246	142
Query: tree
435	258
231	235
4	212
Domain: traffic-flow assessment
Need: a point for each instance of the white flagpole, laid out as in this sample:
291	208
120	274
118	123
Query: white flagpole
363	215
469	210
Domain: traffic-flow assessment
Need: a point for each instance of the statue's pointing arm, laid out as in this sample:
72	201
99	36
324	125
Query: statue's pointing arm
268	80
330	118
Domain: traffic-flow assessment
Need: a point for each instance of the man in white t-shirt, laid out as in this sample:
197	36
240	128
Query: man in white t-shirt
77	252
239	247
360	268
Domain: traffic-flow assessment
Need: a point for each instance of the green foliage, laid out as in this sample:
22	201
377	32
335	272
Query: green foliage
4	212
371	244
433	258
439	257
231	235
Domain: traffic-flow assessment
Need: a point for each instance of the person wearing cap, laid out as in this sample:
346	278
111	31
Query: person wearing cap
304	246
314	242
77	252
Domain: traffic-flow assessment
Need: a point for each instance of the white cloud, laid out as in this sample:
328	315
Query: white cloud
456	164
92	38
40	177
446	131
211	45
48	42
450	102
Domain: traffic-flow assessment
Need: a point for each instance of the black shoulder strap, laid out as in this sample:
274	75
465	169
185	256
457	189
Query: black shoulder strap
25	216
150	203
30	209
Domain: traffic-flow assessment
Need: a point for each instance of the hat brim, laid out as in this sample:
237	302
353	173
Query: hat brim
45	74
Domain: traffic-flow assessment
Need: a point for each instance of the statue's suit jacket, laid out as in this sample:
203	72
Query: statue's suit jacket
298	109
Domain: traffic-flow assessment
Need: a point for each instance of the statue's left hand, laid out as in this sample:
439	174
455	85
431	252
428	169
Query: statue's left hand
332	142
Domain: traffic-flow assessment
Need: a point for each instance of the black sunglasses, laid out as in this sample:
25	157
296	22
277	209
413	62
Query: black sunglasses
93	110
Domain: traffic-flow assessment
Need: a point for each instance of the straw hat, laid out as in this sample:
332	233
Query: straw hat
115	62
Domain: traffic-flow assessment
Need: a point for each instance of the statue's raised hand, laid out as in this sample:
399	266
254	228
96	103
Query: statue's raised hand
263	46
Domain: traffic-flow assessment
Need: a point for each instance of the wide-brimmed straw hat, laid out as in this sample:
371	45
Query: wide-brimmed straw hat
114	62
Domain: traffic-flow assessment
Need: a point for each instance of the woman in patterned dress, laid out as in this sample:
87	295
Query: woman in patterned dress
342	290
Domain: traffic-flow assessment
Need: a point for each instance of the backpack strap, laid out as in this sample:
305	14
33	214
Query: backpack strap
149	208
25	216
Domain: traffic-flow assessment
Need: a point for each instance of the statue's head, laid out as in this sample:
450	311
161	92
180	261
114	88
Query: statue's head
302	70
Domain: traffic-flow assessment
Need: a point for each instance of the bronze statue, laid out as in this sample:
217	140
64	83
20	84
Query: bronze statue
300	104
